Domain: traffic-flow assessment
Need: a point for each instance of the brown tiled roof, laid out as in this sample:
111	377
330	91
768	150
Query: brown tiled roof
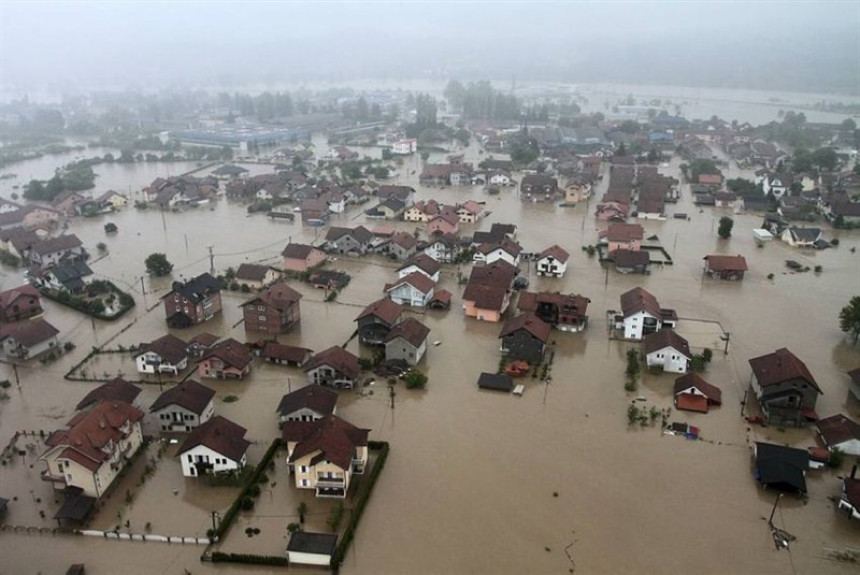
498	274
292	353
116	389
28	333
779	366
424	263
320	399
637	300
485	297
401	192
189	395
630	258
89	431
231	352
297	251
838	429
204	339
685	382
411	330
556	252
334	233
665	338
529	322
384	309
528	302
334	437
404	240
623	232
449	217
719	263
337	358
10	295
854	374
221	436
168	347
57	244
417	280
279	296
253	272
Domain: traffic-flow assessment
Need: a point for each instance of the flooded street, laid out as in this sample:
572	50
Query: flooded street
479	482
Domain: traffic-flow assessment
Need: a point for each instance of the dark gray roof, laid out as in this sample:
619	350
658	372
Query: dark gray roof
197	289
496	381
317	543
781	467
315	397
189	394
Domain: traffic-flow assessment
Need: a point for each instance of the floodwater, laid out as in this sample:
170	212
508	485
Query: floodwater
479	482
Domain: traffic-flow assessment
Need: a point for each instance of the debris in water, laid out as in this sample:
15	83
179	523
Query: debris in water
437	342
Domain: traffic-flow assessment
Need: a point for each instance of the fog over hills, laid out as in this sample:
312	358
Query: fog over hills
797	46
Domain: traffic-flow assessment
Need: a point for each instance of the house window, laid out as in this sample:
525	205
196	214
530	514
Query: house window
303	468
261	318
305	483
190	458
261	308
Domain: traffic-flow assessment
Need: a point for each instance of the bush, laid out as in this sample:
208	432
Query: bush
415	379
254	491
335	516
247	502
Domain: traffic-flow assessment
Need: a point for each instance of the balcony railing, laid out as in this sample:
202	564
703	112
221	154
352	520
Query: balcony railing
325	482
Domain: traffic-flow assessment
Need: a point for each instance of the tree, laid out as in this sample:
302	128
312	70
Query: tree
158	265
622	150
725	229
849	125
825	159
415	379
849	318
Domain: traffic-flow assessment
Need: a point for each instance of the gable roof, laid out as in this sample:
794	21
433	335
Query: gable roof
780	366
57	244
336	439
221	436
636	300
495	381
623	232
499	274
804	234
30	332
116	389
297	251
168	347
630	258
252	272
782	467
485	297
411	330
89	431
278	295
315	397
720	263
337	358
530	323
197	289
416	279
556	251
567	303
838	429
292	353
404	240
231	352
423	262
685	382
663	339
189	395
385	309
10	295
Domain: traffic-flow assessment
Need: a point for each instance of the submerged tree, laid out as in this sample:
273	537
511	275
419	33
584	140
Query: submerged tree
725	229
849	318
157	264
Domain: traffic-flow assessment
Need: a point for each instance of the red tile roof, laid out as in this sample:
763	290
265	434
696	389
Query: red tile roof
720	263
498	274
384	309
116	389
691	402
168	347
636	300
411	330
713	393
529	322
485	297
623	232
252	272
291	353
663	339
338	359
838	429
279	296
10	295
417	280
423	262
231	352
29	333
189	395
556	252
567	304
780	366
315	397
221	436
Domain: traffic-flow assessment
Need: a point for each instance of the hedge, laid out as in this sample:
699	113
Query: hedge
74	302
218	557
252	481
361	498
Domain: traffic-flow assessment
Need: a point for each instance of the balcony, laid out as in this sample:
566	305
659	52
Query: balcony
46	475
330	482
331	492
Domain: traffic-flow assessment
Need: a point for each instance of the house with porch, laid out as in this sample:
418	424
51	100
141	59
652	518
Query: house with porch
334	367
275	310
217	446
641	315
167	354
407	341
192	302
421	263
310	403
722	267
28	339
228	359
552	262
564	312
19	303
376	321
668	350
524	337
95	447
325	454
301	257
183	407
414	289
693	393
784	387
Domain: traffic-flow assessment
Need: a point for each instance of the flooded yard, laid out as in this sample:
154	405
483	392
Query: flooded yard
477	481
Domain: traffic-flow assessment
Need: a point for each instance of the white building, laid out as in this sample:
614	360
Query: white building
552	262
405	147
668	350
167	354
217	446
183	407
309	403
415	290
839	432
642	315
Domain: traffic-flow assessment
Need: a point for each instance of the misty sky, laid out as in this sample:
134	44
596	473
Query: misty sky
805	46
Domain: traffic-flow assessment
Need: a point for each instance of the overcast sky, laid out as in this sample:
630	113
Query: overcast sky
806	46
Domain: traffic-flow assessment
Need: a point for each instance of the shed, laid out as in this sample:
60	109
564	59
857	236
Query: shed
496	382
311	548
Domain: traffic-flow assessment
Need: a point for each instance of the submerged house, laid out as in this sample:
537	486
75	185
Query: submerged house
692	393
309	403
407	341
783	468
217	446
167	354
28	339
524	337
376	321
228	359
192	302
668	350
19	303
784	387
333	367
565	312
725	267
642	315
274	310
184	407
552	262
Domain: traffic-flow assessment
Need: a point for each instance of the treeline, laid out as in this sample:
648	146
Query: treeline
74	177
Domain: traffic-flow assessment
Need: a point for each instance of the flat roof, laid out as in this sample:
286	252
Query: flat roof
318	543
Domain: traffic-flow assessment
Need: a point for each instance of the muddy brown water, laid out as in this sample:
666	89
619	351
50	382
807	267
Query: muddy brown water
479	482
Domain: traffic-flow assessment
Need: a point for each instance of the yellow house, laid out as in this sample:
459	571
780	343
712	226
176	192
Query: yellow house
325	453
576	191
95	448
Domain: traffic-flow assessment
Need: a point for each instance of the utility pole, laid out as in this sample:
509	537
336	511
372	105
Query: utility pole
726	338
15	371
211	260
142	287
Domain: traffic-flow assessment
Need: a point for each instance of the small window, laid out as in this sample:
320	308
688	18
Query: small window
190	458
